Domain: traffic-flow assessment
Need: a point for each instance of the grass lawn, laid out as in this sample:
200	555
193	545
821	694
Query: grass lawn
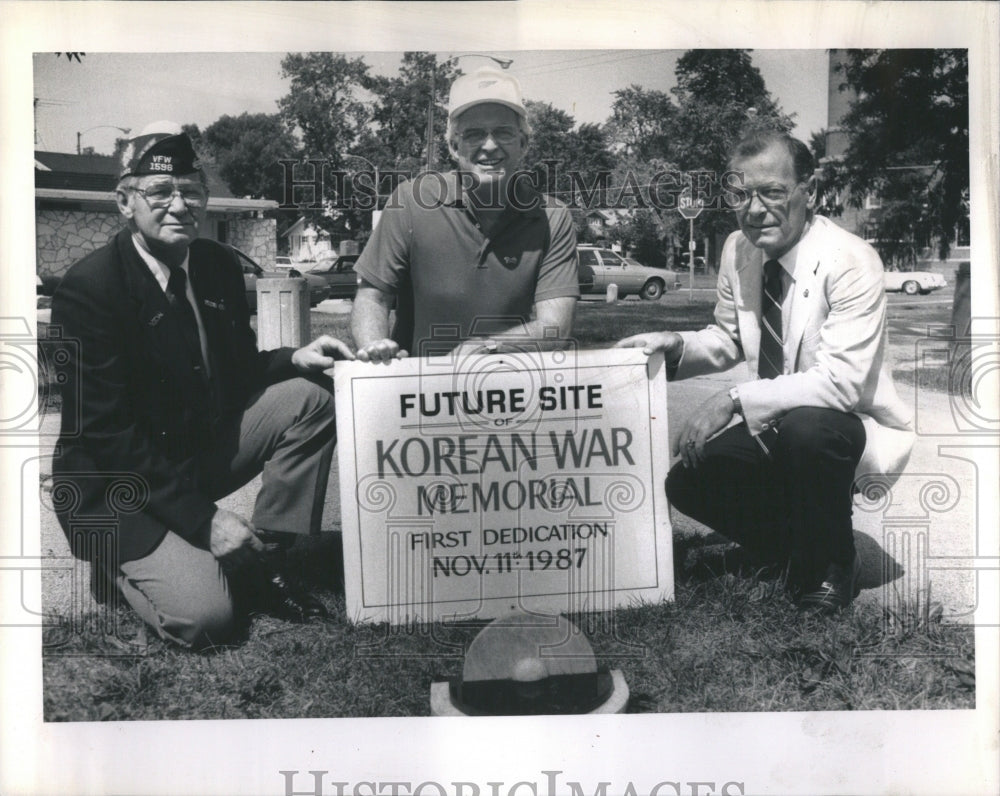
730	641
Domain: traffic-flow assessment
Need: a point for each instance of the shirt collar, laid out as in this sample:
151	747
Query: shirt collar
159	269
527	199
790	257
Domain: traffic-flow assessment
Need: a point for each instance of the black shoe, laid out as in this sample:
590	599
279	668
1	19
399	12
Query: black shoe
288	601
837	591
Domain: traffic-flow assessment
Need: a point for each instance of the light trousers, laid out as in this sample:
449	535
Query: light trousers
287	434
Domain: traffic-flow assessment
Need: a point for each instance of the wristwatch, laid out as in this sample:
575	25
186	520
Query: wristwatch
734	396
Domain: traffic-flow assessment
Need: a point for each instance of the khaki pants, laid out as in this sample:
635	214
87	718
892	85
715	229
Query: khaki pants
287	432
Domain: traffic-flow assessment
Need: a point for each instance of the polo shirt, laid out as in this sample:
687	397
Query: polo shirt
450	279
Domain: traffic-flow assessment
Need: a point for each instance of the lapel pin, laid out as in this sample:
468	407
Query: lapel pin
155	319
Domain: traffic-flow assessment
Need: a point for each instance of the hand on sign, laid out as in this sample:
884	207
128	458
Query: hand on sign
384	350
670	343
320	354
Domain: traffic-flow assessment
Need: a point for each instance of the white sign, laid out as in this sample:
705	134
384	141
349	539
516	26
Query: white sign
528	481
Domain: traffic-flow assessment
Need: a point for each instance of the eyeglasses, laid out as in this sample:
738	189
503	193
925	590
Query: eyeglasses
161	196
476	136
769	195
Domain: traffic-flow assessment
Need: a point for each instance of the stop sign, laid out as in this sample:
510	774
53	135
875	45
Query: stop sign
687	207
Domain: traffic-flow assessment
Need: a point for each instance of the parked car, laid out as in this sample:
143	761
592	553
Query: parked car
252	271
283	263
597	268
913	282
339	275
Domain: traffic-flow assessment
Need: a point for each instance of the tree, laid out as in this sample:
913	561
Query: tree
247	150
557	149
642	122
908	134
326	102
398	137
721	97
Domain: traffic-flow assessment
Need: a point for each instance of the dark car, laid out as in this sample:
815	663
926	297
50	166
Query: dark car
252	271
597	268
339	275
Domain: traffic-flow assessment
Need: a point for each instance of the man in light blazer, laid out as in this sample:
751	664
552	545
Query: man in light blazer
802	302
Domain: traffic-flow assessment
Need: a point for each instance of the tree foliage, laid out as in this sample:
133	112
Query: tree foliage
397	138
720	96
327	102
642	122
247	150
908	133
337	111
558	149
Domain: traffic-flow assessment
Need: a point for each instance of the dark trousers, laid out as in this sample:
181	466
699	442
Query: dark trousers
789	506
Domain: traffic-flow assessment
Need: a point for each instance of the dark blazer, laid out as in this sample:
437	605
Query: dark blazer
143	405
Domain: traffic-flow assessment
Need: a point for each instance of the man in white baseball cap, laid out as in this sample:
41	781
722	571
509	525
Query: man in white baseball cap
477	251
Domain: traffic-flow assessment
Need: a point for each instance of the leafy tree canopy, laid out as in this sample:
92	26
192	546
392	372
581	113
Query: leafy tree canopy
328	102
247	150
908	132
642	122
721	97
557	151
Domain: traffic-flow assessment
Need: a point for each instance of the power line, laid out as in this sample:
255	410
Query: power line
604	60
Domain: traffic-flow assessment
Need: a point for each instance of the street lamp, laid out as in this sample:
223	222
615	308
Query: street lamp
125	130
503	63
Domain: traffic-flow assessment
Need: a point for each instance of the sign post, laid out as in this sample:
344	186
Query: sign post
689	209
526	481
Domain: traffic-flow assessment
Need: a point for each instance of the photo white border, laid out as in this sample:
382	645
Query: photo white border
873	752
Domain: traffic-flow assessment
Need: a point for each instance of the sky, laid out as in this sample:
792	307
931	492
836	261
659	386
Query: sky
109	90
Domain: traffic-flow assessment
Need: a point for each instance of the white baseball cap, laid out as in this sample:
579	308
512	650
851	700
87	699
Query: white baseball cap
485	85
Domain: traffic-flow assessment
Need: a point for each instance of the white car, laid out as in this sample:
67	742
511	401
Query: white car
597	268
913	282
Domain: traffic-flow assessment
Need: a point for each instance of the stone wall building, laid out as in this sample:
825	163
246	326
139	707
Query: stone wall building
76	213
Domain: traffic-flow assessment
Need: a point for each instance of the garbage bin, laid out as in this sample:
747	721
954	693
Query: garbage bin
282	313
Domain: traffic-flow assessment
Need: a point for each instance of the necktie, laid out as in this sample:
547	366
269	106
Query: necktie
177	296
771	361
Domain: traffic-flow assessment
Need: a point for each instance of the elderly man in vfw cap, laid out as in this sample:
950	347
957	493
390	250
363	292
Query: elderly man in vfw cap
474	258
177	408
802	301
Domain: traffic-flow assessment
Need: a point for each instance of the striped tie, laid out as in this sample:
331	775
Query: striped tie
771	359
